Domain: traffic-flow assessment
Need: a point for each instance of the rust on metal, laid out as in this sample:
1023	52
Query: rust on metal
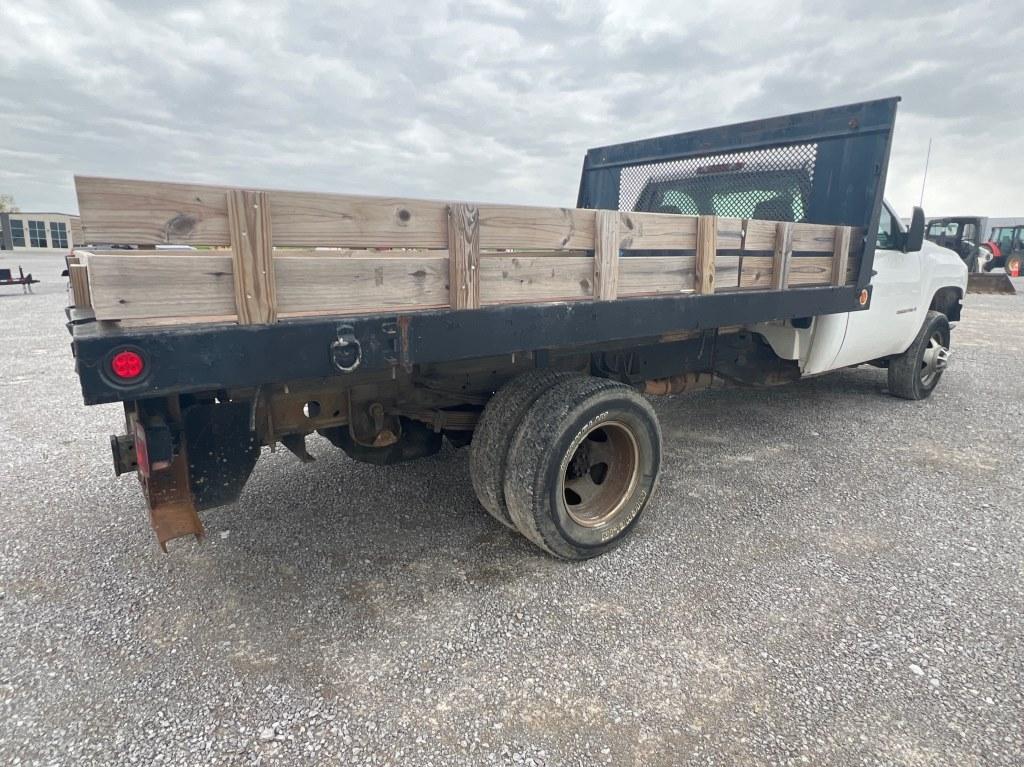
679	383
168	491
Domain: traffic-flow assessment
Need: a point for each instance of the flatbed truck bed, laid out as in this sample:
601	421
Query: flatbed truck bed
388	325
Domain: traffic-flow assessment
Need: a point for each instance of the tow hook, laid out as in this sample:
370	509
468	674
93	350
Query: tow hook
346	352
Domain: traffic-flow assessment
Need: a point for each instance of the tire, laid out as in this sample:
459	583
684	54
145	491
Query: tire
493	437
582	467
1017	259
915	373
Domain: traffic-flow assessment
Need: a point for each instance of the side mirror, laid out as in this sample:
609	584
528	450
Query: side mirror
914	239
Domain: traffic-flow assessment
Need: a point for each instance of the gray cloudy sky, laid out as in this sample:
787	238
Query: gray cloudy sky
488	100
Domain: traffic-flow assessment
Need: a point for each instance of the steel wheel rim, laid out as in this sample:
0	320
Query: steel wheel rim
601	474
934	359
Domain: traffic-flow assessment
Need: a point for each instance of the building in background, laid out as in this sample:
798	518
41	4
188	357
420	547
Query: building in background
39	232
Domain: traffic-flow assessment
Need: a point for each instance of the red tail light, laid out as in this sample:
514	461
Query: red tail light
127	365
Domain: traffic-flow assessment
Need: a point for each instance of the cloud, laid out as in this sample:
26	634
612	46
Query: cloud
484	99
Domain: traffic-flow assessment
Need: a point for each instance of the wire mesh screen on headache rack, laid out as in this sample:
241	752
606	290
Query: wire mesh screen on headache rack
771	184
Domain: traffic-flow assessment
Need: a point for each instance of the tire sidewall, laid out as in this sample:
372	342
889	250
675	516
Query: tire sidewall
937	323
549	510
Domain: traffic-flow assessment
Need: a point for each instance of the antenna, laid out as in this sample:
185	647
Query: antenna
924	180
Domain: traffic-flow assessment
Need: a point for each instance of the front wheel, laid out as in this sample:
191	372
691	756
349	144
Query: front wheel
582	466
915	373
1014	264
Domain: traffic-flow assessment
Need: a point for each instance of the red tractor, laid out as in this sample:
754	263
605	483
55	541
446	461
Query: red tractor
1007	247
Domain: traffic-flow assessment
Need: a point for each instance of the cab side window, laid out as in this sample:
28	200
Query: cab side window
886	239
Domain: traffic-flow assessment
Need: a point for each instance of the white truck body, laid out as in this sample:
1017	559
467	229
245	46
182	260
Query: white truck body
903	289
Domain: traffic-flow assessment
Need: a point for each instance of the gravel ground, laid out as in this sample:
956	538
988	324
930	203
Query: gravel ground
827	576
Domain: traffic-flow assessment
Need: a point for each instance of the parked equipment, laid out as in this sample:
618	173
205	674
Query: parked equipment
962	235
1007	246
528	332
25	280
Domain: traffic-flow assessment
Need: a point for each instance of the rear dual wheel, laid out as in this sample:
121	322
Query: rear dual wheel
579	467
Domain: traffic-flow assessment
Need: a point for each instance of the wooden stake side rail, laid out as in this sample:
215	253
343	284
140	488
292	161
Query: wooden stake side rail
389	254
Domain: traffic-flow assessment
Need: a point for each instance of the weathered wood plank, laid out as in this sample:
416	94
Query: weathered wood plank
727	272
782	256
661	275
251	257
525	279
760	235
707	247
656	275
729	233
819	238
606	255
810	270
78	275
145	287
840	255
464	256
657	231
513	226
757	272
328	285
146	212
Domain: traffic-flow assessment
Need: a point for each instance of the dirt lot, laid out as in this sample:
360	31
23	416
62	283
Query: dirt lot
827	576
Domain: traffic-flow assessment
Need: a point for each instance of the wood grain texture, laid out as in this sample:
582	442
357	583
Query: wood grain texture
146	287
707	247
656	275
606	255
666	275
757	272
729	232
760	235
782	255
308	285
146	212
512	226
78	276
464	256
252	257
526	279
657	231
816	238
810	270
840	255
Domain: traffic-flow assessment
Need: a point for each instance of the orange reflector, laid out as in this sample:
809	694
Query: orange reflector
863	298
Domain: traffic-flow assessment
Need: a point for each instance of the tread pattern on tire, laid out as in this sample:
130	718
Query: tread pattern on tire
533	440
488	453
904	370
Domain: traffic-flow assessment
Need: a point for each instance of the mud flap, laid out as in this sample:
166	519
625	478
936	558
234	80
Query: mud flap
222	451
